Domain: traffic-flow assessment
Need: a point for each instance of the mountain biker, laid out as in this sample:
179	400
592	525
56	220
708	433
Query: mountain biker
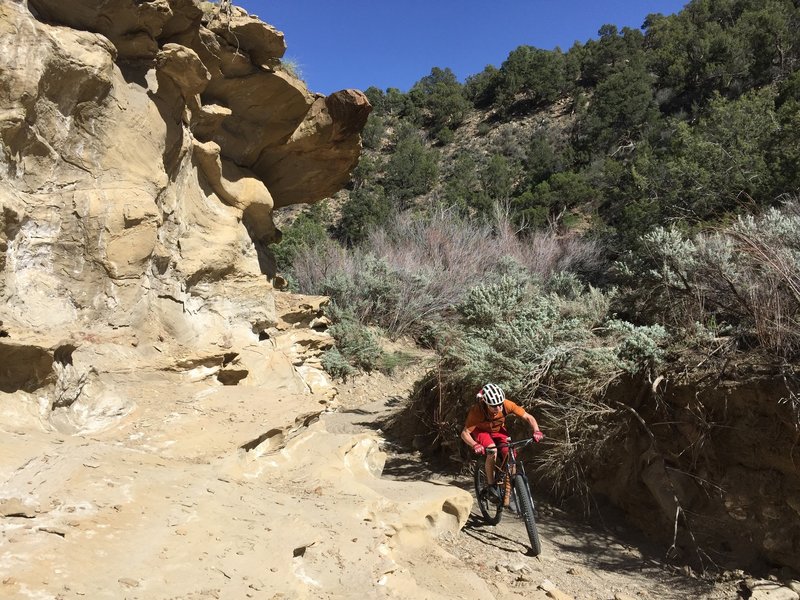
486	426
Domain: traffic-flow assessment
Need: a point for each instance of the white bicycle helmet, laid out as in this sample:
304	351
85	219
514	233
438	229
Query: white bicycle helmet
492	394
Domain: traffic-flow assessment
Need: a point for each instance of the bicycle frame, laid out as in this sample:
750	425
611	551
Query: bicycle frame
509	463
510	472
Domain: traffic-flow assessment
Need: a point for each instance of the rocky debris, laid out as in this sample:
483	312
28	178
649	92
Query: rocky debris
764	589
552	591
15	507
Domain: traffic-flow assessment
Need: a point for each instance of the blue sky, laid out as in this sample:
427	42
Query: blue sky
359	43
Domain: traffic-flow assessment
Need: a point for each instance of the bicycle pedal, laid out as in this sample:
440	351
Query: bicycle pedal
492	494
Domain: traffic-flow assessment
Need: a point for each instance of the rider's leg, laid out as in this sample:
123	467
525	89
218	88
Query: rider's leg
491	459
501	438
485	439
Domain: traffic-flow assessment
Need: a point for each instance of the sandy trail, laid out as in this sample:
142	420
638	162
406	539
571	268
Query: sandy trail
585	561
210	492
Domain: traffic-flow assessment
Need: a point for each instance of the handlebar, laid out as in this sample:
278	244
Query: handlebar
516	444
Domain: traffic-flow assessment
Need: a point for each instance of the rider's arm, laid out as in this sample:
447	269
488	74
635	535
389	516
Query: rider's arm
517	410
531	421
472	421
466	435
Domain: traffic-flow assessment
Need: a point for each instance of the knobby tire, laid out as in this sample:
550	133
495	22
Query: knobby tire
492	513
525	506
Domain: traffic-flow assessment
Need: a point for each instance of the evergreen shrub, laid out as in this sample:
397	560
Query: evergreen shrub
744	278
307	229
355	344
554	353
336	365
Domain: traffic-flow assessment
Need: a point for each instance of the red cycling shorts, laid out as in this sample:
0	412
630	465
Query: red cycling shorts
488	438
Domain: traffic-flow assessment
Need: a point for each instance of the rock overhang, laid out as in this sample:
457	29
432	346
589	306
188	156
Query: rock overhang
303	146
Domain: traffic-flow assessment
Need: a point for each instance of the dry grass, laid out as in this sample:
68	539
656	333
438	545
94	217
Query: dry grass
411	275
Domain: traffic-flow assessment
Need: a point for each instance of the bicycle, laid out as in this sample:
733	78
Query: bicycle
511	481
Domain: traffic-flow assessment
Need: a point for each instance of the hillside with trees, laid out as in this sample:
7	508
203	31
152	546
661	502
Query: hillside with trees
611	232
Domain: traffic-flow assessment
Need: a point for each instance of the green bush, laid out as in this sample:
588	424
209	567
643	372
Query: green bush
408	276
373	132
716	164
556	354
364	210
307	229
462	185
480	89
445	136
622	110
355	343
497	178
529	75
441	97
396	360
412	167
639	348
515	332
336	365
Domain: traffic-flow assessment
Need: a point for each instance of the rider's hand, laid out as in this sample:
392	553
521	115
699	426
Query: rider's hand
478	449
538	435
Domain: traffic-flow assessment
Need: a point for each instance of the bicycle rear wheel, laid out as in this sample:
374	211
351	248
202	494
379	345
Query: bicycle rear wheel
525	506
491	507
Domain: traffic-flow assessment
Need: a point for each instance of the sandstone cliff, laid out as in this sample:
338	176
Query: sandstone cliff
158	397
143	147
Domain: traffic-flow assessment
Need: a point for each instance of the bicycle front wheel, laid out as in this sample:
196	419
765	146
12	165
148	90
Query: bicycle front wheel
490	506
525	505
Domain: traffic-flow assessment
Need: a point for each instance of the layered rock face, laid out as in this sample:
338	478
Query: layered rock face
143	147
158	398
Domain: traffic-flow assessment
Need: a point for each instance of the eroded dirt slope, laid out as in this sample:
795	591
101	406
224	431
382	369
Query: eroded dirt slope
603	559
